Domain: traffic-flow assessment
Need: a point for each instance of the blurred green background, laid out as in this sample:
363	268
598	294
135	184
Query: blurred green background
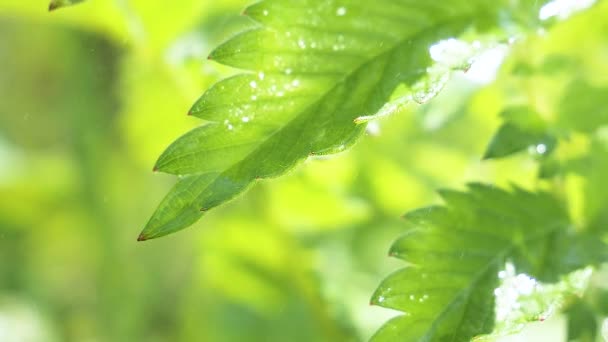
90	95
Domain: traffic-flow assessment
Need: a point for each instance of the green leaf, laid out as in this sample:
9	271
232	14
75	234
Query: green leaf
583	107
55	4
511	139
455	253
315	66
558	80
582	322
523	129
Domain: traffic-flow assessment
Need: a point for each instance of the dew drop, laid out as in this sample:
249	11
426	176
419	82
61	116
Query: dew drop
253	84
253	97
541	148
228	125
261	75
302	44
265	13
381	299
245	119
295	83
288	71
341	11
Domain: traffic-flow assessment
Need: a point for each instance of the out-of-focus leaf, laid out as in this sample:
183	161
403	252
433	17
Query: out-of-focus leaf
569	86
523	129
511	139
583	107
456	252
148	26
55	4
582	322
315	67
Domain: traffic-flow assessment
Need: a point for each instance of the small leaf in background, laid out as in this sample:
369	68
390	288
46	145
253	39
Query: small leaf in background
522	129
55	4
511	139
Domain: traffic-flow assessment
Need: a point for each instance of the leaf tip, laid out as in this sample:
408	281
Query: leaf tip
53	6
489	154
376	300
142	237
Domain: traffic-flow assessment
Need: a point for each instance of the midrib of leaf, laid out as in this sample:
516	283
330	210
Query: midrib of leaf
456	22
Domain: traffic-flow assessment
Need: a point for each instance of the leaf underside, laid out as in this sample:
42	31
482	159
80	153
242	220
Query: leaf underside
313	68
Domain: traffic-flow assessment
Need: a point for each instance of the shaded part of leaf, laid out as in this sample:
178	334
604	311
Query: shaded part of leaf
582	322
523	128
511	139
560	252
550	167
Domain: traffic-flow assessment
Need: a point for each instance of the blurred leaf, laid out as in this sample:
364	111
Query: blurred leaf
583	107
523	128
582	322
55	4
556	85
312	76
511	139
456	253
